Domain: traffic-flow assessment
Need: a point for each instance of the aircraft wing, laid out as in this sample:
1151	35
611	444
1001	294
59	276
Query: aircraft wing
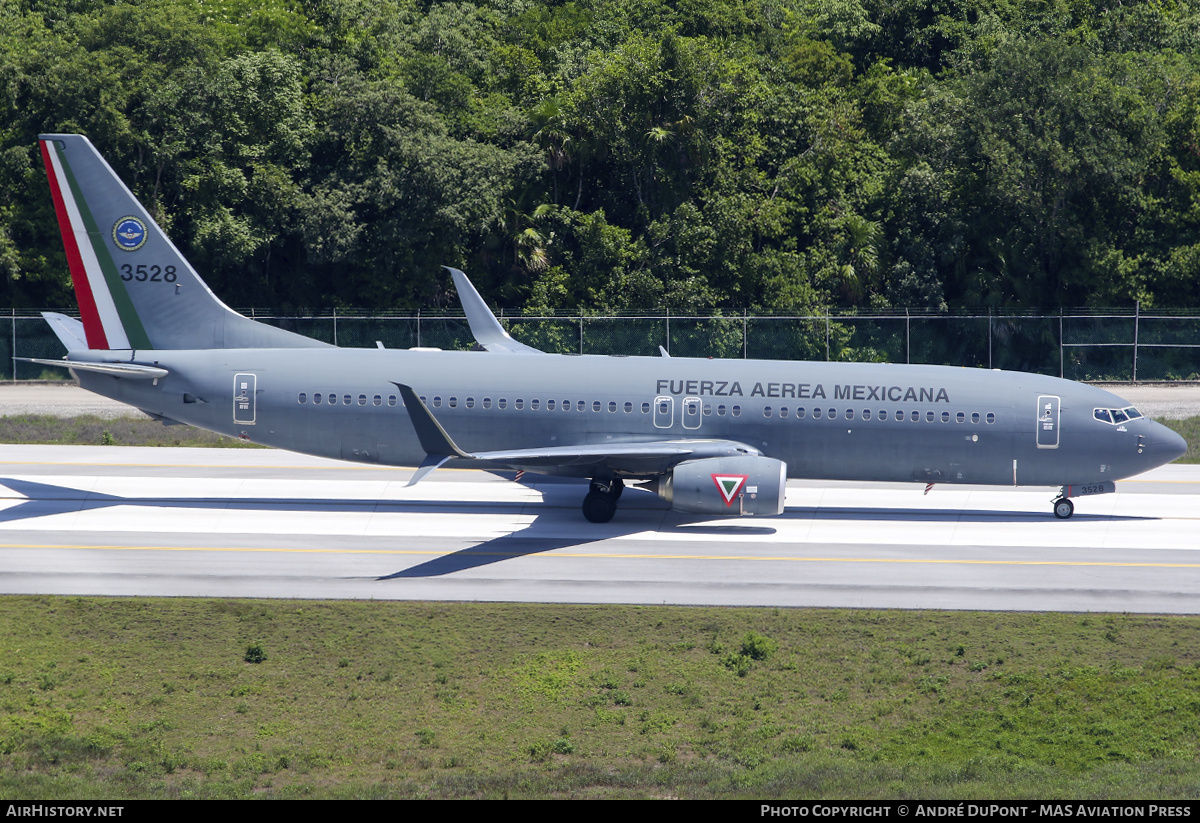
484	326
644	459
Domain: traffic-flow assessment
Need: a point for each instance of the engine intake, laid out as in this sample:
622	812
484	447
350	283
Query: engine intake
726	485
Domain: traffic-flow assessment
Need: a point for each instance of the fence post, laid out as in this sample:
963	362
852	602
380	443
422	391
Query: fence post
581	334
335	325
1137	318
907	337
1062	347
14	345
826	337
745	335
989	337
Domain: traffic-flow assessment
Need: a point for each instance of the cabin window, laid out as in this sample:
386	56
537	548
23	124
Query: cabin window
800	412
391	399
974	417
302	399
317	398
817	413
707	409
783	412
900	414
628	407
882	414
487	402
595	405
452	402
945	417
566	405
1133	413
612	406
849	414
961	417
519	403
766	411
347	399
831	413
721	410
1119	416
535	404
581	405
470	402
437	401
736	411
377	400
501	403
645	408
551	405
929	417
866	414
362	400
991	418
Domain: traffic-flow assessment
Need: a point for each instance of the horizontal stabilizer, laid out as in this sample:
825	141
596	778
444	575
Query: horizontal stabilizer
68	330
133	370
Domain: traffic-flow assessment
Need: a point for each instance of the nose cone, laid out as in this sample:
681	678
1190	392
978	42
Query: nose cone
1164	445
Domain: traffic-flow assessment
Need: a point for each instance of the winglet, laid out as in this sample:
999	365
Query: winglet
484	326
437	444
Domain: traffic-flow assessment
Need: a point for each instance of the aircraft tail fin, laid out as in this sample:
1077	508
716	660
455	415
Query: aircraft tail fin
135	289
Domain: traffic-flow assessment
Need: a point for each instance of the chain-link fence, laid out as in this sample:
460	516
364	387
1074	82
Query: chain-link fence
1129	346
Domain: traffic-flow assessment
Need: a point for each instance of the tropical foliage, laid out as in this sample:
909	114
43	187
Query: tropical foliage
625	154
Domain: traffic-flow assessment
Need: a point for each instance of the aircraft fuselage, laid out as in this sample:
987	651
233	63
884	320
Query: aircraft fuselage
835	421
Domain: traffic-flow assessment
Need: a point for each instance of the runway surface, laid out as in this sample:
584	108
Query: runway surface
250	523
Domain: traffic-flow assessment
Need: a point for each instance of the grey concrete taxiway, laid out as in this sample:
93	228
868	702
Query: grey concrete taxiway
249	523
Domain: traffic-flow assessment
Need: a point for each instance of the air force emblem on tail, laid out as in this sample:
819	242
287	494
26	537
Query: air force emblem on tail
129	233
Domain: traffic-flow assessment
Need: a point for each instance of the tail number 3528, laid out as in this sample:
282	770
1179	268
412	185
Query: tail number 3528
143	273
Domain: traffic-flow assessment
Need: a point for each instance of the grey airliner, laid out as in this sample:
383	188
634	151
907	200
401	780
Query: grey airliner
713	437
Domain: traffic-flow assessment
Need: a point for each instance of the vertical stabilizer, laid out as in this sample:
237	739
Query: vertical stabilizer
135	290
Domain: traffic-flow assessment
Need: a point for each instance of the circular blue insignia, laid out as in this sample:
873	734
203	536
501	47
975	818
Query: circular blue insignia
129	233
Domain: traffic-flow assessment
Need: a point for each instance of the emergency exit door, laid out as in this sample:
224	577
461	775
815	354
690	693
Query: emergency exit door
1047	422
244	386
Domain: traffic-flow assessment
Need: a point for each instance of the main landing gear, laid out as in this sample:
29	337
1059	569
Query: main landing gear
1063	508
601	502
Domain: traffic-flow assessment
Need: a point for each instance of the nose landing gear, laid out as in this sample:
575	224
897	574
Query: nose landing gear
1063	508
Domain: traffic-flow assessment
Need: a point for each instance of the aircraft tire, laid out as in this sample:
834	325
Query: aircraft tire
599	507
1063	508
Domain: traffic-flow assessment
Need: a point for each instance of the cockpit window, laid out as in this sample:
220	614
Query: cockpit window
1116	416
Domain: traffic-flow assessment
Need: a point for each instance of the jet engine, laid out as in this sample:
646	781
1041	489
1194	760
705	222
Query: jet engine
725	485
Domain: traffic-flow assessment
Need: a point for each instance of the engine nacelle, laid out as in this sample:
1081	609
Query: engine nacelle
726	485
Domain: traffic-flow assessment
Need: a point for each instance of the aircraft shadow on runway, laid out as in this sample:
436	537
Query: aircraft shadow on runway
640	513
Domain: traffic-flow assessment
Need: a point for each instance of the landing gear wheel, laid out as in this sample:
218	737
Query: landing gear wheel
1063	508
599	507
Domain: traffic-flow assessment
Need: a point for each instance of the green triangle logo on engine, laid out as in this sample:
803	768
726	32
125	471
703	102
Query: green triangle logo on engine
729	485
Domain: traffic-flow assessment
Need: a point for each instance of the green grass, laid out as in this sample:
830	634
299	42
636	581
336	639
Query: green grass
90	430
107	698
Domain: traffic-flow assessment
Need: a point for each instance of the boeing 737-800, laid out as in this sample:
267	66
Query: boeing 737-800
715	437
